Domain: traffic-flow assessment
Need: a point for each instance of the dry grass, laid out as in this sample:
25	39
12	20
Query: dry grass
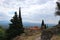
28	37
33	37
55	37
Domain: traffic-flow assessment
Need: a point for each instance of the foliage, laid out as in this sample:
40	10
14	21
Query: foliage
58	9
43	25
2	33
15	27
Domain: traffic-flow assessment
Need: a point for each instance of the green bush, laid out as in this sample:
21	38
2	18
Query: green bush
2	33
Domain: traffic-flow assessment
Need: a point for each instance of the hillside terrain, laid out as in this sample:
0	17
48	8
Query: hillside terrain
29	36
53	33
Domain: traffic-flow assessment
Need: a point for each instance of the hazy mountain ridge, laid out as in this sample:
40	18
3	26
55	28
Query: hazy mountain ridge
5	24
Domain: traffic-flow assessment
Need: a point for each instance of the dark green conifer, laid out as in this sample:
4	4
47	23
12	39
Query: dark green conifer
16	26
43	26
42	23
59	22
58	9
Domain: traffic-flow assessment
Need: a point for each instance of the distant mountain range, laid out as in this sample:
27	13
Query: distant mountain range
5	24
36	24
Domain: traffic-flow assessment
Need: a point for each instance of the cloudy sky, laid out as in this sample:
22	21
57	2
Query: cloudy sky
32	10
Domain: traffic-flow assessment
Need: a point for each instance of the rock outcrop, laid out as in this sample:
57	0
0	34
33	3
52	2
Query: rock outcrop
47	34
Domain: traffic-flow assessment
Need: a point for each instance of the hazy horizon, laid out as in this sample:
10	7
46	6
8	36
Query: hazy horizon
25	24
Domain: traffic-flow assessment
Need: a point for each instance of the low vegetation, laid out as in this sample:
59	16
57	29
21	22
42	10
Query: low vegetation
2	33
28	36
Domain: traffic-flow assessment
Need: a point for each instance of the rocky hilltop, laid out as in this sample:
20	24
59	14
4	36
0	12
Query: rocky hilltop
47	34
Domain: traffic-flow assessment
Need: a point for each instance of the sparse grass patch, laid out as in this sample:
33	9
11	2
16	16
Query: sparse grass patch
33	36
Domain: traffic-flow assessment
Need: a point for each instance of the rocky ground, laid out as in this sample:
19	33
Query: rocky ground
55	37
35	36
48	34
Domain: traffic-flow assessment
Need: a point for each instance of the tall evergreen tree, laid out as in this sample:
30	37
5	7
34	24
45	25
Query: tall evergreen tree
58	9
20	19
59	22
42	23
16	26
43	26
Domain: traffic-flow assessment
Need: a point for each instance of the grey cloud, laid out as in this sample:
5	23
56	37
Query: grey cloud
3	16
34	14
42	1
21	0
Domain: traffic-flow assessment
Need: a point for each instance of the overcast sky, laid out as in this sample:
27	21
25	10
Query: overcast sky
32	10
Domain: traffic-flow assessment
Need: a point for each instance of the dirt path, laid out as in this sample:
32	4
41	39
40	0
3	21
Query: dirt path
34	37
38	38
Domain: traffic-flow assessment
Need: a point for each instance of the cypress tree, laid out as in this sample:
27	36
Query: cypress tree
43	26
59	22
16	27
42	23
